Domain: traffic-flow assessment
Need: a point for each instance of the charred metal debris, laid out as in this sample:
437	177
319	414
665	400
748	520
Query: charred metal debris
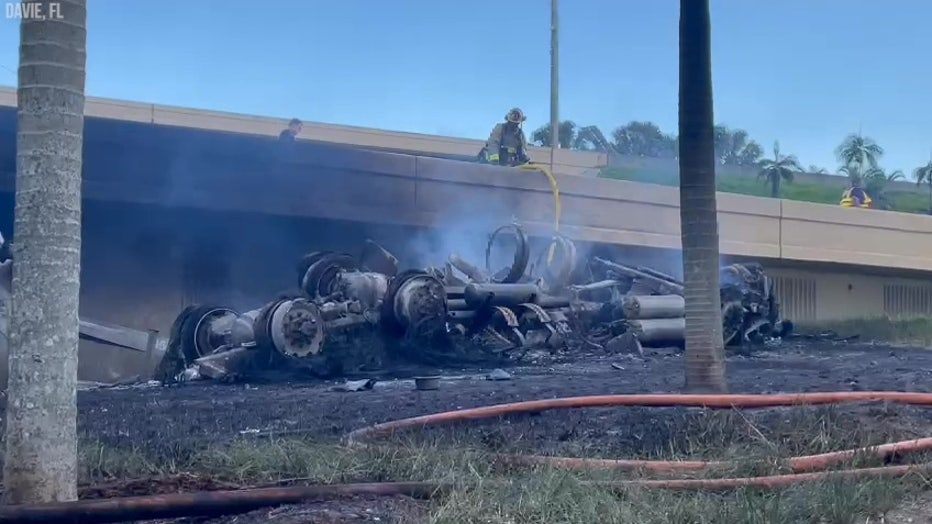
353	314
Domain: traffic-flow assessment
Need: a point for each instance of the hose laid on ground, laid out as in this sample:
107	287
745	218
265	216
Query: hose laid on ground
228	502
809	463
218	503
802	464
648	400
203	503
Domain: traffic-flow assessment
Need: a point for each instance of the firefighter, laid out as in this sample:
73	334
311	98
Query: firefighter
507	144
855	196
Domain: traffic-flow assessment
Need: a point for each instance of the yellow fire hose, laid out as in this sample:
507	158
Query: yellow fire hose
551	253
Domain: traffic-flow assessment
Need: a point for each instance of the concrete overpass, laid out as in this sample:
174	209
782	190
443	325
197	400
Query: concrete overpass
185	205
565	162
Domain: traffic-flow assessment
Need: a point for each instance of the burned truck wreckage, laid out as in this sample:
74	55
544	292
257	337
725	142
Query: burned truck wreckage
350	315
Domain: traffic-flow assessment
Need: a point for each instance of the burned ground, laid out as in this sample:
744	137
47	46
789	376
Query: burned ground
195	414
176	423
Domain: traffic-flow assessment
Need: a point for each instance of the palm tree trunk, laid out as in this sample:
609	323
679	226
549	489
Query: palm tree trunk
775	187
41	449
705	355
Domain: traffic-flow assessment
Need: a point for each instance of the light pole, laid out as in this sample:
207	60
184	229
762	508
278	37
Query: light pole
554	80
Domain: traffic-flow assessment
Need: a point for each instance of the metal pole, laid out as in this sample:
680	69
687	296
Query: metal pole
554	80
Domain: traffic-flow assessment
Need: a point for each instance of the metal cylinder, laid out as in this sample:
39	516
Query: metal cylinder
333	310
658	330
367	288
460	315
457	304
242	331
552	302
472	272
654	306
479	295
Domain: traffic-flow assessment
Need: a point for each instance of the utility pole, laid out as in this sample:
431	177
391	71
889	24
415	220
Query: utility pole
554	79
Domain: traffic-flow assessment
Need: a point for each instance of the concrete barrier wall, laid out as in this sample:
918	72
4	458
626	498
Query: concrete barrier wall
565	161
377	187
642	214
181	166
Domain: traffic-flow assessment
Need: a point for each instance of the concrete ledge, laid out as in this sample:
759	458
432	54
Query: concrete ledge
565	161
242	170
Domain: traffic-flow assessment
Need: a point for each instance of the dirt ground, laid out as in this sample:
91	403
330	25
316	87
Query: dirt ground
201	412
191	415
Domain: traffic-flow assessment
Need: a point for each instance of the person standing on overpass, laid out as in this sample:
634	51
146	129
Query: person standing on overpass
292	132
507	144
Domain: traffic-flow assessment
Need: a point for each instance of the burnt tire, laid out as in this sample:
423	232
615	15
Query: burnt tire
190	318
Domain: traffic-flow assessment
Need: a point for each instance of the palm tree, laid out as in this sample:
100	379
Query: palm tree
705	354
41	451
859	150
924	175
876	182
778	169
854	172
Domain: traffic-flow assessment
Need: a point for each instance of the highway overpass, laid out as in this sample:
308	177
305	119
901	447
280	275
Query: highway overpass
565	162
185	205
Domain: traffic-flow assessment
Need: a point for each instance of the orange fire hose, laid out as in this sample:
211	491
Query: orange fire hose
227	502
649	400
218	503
204	503
803	464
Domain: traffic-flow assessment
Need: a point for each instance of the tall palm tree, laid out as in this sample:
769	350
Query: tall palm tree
705	353
854	172
778	169
859	150
876	182
41	450
923	175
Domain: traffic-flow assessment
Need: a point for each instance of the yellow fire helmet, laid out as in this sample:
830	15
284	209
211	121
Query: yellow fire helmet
515	115
848	198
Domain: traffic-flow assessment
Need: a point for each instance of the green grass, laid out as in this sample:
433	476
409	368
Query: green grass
487	493
747	185
880	329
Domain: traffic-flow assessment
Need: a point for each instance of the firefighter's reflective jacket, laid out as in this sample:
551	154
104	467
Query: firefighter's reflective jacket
507	145
855	197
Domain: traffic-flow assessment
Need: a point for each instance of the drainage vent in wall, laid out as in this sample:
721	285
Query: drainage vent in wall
904	301
797	297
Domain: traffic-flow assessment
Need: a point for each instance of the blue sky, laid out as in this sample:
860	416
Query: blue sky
806	72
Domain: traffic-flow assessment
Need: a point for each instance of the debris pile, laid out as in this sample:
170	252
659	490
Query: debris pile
358	314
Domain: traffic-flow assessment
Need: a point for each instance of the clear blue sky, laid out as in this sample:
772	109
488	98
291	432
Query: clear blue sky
806	72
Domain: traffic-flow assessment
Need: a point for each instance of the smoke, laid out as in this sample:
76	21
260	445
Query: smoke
209	170
466	236
468	222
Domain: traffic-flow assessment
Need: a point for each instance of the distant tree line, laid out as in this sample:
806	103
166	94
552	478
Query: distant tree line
858	156
646	139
